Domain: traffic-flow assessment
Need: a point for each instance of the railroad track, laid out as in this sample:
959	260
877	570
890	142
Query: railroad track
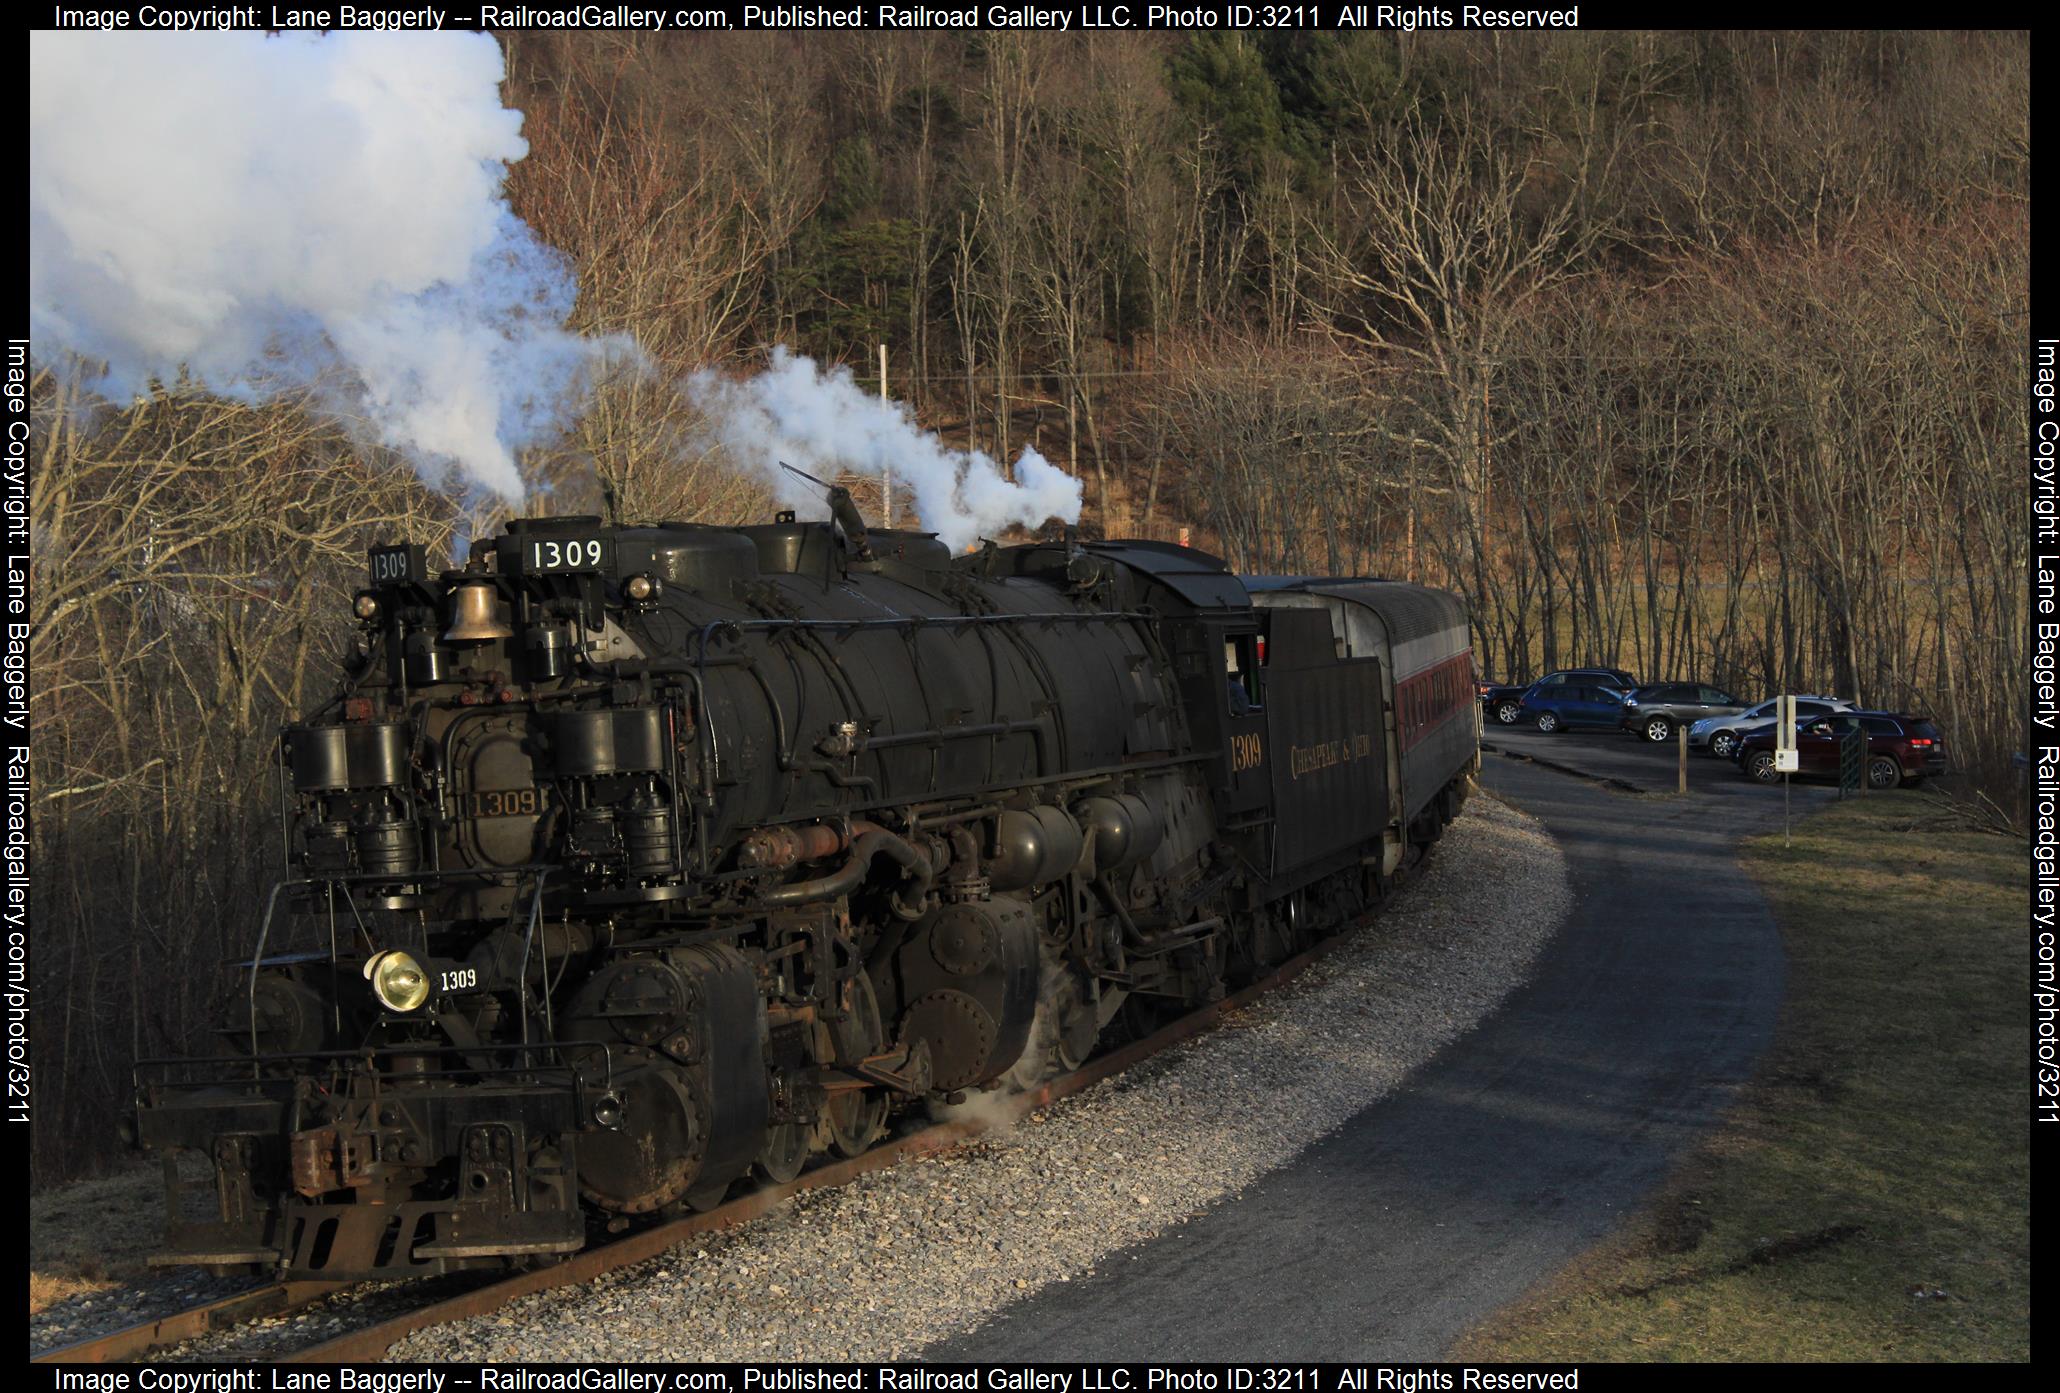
373	1340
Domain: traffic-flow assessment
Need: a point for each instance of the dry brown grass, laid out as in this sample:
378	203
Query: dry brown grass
1869	1197
94	1234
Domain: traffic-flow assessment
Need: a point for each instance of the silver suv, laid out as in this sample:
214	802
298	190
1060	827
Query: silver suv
1720	735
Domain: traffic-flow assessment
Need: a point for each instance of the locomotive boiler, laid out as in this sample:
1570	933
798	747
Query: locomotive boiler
629	861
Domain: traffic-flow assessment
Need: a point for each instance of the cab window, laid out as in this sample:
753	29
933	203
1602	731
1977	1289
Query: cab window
1244	689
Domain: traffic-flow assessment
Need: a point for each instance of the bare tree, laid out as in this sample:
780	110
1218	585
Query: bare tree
1008	132
191	577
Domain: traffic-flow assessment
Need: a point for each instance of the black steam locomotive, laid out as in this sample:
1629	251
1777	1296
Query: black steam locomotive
630	860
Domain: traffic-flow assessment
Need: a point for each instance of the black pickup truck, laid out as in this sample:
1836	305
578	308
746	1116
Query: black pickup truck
1499	700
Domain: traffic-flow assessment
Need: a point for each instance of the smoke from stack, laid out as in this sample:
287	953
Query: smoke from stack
795	413
303	214
322	216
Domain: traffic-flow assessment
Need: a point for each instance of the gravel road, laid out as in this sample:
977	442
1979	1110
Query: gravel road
1498	1161
902	1258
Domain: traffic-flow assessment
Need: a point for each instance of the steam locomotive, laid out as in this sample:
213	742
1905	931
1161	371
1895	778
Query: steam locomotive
628	861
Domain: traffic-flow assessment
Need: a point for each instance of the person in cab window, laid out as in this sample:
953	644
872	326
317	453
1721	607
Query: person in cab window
1240	703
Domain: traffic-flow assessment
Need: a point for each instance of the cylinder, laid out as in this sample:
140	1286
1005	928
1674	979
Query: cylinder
1018	851
329	759
647	837
593	833
1033	847
387	848
421	660
1149	822
326	848
615	740
1062	842
1125	830
549	651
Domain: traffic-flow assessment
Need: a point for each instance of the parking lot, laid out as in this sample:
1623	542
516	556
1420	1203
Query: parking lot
1633	765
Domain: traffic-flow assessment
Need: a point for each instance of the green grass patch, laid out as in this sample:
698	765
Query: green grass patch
1869	1196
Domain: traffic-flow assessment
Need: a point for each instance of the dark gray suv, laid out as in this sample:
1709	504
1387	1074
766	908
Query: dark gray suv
1656	712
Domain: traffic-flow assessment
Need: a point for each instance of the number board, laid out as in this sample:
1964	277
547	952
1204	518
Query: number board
502	802
557	555
458	979
401	565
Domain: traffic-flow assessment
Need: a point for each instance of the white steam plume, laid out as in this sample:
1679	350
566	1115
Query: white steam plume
795	413
303	213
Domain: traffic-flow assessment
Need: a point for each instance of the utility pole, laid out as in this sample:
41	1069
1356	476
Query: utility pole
1073	455
886	466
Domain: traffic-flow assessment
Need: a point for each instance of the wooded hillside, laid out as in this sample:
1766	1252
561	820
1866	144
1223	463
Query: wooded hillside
1697	353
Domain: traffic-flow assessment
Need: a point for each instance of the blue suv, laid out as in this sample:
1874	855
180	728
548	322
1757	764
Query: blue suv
1563	706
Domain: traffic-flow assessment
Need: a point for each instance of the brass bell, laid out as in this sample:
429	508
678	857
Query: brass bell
473	619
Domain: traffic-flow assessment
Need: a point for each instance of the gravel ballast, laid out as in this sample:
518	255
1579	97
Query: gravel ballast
900	1258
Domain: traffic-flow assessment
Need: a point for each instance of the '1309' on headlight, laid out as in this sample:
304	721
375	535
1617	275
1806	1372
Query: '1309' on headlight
397	980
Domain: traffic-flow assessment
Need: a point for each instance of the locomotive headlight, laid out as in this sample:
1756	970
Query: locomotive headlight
640	588
397	980
366	607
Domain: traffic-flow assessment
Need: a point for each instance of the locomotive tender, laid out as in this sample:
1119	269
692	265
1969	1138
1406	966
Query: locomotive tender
629	860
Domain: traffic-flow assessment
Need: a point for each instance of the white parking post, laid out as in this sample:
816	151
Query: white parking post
1785	757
